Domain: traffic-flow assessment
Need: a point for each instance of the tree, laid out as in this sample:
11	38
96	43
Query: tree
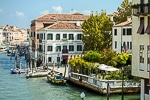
123	12
97	32
122	59
92	56
109	57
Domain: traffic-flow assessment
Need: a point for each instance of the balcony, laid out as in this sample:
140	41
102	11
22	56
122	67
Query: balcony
141	9
64	39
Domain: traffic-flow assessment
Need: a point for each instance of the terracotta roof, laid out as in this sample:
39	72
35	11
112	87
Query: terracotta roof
63	26
126	23
63	17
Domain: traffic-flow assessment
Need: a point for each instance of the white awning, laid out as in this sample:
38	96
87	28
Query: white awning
107	68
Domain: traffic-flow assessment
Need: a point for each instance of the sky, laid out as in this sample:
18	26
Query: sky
20	13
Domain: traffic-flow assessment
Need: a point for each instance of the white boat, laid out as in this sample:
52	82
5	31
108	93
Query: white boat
3	48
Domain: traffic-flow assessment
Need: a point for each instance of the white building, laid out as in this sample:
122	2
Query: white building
141	45
59	41
122	37
1	36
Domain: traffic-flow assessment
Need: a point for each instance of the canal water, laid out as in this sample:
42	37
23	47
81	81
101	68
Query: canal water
17	87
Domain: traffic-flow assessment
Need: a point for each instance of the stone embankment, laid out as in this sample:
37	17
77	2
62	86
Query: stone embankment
100	86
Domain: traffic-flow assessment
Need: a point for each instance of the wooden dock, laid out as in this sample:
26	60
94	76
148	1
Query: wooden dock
43	73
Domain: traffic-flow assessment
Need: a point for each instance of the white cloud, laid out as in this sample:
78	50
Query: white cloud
57	9
44	12
20	14
1	10
87	12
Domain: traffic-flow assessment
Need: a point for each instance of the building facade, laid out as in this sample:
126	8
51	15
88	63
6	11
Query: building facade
13	35
122	37
54	29
141	44
59	41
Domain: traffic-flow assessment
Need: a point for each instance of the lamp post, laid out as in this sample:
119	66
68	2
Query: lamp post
108	90
82	95
58	59
122	83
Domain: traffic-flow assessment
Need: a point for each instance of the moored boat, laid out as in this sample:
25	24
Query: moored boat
17	71
3	48
56	78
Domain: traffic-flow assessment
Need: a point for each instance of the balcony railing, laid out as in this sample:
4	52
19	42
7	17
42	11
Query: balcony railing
141	9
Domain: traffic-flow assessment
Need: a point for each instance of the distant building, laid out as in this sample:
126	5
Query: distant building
1	36
122	36
53	32
14	35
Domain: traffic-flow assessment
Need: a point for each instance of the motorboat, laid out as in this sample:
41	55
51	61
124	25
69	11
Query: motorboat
56	78
17	71
3	48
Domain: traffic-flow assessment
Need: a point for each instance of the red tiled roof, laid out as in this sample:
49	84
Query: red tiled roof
126	23
64	26
63	17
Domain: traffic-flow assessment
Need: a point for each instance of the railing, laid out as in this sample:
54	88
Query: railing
103	83
140	9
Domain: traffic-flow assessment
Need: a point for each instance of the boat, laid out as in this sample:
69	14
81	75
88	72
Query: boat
3	48
56	78
17	71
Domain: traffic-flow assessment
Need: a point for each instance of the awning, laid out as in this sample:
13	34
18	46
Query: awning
107	68
65	57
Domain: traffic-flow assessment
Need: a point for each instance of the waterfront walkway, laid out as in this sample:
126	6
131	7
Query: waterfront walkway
100	85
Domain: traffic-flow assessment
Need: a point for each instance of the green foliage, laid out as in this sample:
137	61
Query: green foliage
92	56
113	75
108	57
122	59
124	11
87	65
96	32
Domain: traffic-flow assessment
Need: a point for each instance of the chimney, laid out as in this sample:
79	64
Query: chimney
129	18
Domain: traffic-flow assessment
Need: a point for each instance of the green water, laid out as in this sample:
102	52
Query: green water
17	87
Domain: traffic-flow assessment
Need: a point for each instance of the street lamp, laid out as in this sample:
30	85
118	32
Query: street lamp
122	83
82	95
58	59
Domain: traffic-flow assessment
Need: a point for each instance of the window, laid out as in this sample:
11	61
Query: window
79	47
49	36
148	57
49	59
141	53
41	35
127	45
142	7
79	36
141	27
44	36
115	44
130	45
58	59
58	48
57	36
148	26
129	31
37	36
49	48
64	47
64	35
71	37
71	48
124	31
115	31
